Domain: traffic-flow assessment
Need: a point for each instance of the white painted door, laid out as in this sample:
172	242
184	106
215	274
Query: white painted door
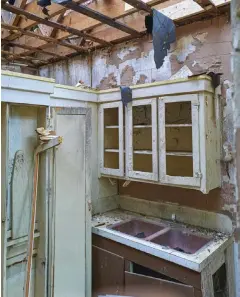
111	139
141	139
179	157
72	246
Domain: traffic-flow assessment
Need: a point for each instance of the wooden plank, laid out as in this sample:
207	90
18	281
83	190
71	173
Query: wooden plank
164	267
13	56
140	5
41	20
102	18
229	260
16	18
30	48
107	272
49	40
21	203
139	285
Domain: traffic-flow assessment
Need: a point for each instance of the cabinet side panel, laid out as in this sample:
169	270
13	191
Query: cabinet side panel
212	145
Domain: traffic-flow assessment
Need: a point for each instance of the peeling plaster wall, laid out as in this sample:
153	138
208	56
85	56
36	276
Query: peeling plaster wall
69	72
200	46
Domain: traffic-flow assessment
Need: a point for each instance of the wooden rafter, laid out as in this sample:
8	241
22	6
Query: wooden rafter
13	56
16	18
49	40
41	20
102	18
29	47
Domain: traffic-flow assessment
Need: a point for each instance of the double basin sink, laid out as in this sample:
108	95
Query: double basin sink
174	238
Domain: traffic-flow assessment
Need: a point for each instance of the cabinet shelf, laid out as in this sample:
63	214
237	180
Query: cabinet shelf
180	154
111	150
142	126
177	125
112	127
142	152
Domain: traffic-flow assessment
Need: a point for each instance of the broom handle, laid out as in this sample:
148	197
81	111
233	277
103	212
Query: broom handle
32	227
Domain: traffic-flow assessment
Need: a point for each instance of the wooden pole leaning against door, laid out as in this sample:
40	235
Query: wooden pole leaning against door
41	148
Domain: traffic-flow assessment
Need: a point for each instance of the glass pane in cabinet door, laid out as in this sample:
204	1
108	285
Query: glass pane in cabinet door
142	138
111	138
178	136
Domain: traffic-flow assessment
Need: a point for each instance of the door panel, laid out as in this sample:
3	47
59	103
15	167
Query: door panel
141	286
108	272
70	204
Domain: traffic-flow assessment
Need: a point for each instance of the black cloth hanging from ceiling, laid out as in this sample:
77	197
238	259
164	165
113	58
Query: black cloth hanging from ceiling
163	35
126	95
149	23
11	2
44	3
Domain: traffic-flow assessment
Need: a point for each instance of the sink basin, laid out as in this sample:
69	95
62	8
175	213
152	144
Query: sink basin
137	228
181	241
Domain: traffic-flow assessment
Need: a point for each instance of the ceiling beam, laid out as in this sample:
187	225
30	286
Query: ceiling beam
49	40
16	18
28	47
41	20
139	5
18	57
101	18
54	10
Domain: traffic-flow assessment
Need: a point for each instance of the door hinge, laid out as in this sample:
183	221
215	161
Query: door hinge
198	174
89	205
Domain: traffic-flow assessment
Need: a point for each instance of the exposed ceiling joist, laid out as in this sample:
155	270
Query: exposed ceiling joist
41	20
139	5
17	57
16	18
102	18
28	47
49	40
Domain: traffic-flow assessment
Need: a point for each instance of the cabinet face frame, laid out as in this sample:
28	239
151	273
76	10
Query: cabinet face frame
130	172
105	170
194	181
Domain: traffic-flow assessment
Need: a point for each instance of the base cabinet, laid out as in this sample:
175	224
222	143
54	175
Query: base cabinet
117	274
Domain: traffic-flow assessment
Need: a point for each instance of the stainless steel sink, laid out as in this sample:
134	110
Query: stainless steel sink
138	228
181	241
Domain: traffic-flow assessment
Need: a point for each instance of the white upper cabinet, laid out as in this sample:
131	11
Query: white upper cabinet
169	139
111	138
141	139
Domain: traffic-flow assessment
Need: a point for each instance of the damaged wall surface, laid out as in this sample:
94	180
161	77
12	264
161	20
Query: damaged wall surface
202	46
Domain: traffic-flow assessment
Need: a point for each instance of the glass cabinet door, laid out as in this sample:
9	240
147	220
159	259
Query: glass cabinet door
141	139
111	139
179	140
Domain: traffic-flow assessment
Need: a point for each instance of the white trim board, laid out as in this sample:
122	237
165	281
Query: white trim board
31	86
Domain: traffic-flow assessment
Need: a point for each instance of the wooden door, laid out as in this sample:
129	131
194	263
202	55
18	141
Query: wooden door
107	272
179	153
72	225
